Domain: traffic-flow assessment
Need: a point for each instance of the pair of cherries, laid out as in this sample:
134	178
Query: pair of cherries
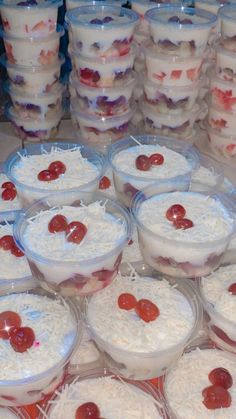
75	231
176	214
217	396
9	191
145	163
7	243
54	170
88	410
145	309
20	338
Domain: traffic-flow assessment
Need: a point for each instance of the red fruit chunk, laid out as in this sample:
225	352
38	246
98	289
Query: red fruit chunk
104	183
6	242
126	301
216	397
75	232
143	163
21	338
183	223
57	224
221	377
232	288
57	166
130	242
147	310
8	194
87	410
156	159
8	320
175	212
16	251
8	185
47	176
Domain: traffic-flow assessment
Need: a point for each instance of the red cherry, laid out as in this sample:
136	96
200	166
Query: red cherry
221	377
57	224
183	223
8	185
126	301
143	163
47	176
232	288
16	251
75	232
130	242
147	310
87	410
22	338
9	194
216	397
175	211
104	183
6	242
57	166
156	159
8	320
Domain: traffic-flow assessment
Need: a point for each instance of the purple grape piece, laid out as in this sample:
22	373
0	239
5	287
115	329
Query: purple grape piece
186	22
119	75
18	80
29	107
174	19
96	45
28	3
166	43
118	42
102	101
96	21
33	134
192	45
149	122
121	128
107	19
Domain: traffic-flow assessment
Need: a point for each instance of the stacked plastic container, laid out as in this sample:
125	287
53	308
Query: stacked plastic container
174	60
31	38
221	121
102	81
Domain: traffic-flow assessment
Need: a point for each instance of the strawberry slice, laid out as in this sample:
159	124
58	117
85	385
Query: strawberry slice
159	76
231	148
176	74
192	73
218	123
9	52
224	98
46	58
41	26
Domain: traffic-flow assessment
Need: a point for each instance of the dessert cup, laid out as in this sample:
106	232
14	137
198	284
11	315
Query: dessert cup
222	145
227	15
72	4
225	64
223	94
221	120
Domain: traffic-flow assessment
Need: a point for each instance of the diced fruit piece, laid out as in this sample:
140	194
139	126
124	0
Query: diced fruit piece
183	223
8	185
46	58
192	74
176	74
174	19
175	212
147	310
216	397
221	377
9	194
6	242
230	148
41	26
232	288
75	232
104	183
8	320
159	76
87	410
218	123
143	163
96	21
186	22
57	166
21	338
130	242
156	159
16	251
126	301
9	52
107	19
57	224
47	176
89	76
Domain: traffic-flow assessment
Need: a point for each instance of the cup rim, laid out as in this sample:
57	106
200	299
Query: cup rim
49	4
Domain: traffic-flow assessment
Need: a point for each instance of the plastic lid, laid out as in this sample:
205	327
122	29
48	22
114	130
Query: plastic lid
228	12
30	4
161	15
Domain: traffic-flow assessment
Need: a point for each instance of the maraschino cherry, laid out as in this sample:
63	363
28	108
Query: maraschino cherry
182	223
147	310
47	175
75	232
21	338
126	301
221	377
156	159
8	320
8	185
87	410
216	397
232	288
175	212
104	183
6	242
57	224
143	163
58	167
9	191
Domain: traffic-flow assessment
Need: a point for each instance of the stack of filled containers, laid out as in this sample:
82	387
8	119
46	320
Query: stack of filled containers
102	81
31	38
221	121
174	59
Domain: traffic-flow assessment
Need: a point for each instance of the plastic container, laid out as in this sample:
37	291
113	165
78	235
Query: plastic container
178	30
102	30
225	64
134	388
227	15
104	72
33	387
172	251
103	101
221	120
33	80
222	145
180	164
72	277
29	191
23	19
148	364
32	51
72	4
223	94
208	176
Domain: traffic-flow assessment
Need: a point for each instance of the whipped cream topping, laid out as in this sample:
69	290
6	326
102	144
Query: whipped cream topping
211	219
174	163
125	330
54	329
205	176
97	242
12	267
115	399
185	382
79	171
7	205
215	290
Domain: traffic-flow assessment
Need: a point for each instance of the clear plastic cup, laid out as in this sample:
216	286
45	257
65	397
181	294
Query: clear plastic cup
209	175
127	184
223	146
222	120
102	30
227	15
31	386
33	80
148	364
178	30
225	64
32	51
75	277
23	18
223	94
8	208
73	4
175	253
28	189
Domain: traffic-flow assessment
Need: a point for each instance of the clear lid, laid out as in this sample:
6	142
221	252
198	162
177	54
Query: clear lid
29	5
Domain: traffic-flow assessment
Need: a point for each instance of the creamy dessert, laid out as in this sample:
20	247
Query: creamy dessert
30	332
102	30
178	30
41	170
197	373
144	325
225	64
183	234
227	15
223	94
8	195
230	254
222	145
131	253
222	120
205	178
